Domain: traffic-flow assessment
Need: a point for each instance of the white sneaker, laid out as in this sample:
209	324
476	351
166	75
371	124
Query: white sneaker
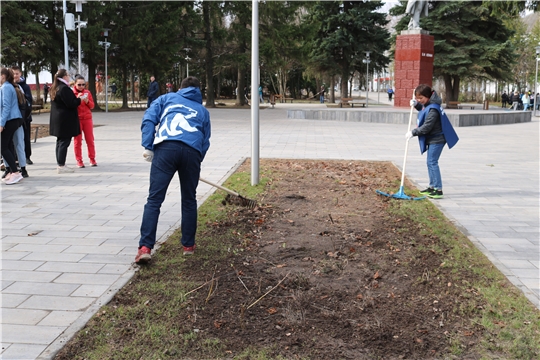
14	178
64	170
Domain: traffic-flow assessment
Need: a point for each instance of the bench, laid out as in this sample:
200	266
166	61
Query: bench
279	97
288	99
453	105
37	107
357	102
344	101
35	127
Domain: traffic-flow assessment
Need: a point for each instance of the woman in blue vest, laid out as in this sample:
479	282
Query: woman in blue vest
433	131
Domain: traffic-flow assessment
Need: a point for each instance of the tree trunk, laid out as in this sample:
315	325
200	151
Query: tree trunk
451	84
240	100
209	60
91	81
332	92
125	75
344	81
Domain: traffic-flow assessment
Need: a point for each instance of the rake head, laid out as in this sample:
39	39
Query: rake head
400	195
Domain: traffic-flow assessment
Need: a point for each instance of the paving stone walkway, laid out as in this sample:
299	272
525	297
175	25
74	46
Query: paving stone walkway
68	241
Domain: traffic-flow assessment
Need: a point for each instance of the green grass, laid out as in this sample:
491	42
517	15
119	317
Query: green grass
510	321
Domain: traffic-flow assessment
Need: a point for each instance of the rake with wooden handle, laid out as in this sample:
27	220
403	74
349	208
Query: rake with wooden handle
243	201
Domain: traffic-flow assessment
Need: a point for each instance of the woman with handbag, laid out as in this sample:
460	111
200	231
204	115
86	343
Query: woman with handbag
64	119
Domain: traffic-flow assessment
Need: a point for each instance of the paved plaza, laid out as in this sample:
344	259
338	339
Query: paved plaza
68	241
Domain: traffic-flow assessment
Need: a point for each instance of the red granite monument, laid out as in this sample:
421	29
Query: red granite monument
413	63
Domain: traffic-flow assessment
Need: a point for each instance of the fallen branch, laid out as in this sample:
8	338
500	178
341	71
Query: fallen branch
249	292
269	291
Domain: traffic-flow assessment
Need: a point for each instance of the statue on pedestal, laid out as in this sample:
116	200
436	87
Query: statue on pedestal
416	8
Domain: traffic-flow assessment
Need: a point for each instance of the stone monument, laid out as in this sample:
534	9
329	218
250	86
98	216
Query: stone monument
413	63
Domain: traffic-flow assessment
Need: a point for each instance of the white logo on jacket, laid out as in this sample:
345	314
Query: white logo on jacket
173	127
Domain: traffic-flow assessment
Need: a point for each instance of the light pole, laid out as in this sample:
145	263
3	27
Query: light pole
106	45
187	61
536	83
367	61
80	24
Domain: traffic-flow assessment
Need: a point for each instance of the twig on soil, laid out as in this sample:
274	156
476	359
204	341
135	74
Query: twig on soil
200	287
268	261
243	284
330	216
268	292
211	285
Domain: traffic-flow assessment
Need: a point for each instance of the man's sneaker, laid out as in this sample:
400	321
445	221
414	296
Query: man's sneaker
80	164
24	173
435	194
5	173
29	162
14	178
427	191
189	250
93	162
64	170
143	255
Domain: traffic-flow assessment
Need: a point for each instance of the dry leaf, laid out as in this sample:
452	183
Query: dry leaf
376	276
359	296
281	265
468	333
271	311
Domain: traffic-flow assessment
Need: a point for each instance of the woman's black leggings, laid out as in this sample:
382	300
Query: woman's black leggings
62	145
7	137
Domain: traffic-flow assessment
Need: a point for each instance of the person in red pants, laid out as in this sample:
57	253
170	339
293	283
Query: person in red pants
87	125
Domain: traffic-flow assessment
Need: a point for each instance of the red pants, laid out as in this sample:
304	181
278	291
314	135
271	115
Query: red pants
87	128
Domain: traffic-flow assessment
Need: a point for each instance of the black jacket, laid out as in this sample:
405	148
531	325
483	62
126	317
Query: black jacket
27	95
64	120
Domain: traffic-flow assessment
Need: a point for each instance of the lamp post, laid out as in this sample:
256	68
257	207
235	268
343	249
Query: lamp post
187	61
78	9
536	83
367	61
106	45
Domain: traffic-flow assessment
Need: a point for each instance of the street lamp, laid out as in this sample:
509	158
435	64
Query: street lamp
106	45
367	61
536	82
80	24
187	61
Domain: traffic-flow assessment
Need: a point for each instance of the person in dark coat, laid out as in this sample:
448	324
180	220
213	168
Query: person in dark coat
153	91
64	120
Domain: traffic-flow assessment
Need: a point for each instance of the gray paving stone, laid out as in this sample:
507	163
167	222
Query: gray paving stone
20	265
39	248
12	300
114	269
22	316
88	279
60	318
109	250
22	351
74	241
57	303
34	288
4	284
110	259
64	267
34	276
61	257
27	334
91	290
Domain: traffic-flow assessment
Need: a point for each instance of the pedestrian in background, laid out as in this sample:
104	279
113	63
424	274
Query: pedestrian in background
64	118
46	88
19	79
10	120
153	91
178	146
87	125
505	99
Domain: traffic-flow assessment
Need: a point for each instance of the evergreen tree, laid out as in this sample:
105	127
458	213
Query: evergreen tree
347	29
471	42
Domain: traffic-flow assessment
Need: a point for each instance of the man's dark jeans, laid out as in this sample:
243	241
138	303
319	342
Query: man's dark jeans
171	157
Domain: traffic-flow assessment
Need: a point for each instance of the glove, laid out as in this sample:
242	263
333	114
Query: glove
148	155
413	103
408	135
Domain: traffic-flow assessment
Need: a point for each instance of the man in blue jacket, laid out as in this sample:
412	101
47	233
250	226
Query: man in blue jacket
178	146
153	91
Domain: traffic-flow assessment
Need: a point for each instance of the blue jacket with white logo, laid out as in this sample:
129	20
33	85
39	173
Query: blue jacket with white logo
178	116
